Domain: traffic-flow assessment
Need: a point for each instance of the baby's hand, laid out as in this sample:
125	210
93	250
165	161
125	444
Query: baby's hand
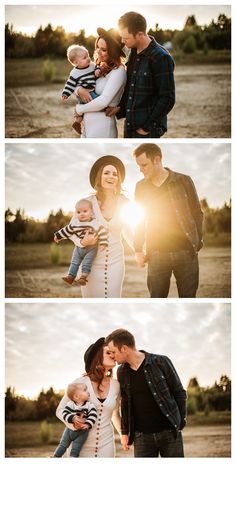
56	240
85	426
63	98
103	247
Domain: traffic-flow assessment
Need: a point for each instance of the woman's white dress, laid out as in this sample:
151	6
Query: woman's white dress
95	122
100	441
108	269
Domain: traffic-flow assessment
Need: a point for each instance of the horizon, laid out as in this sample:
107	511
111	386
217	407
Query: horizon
29	168
47	340
172	17
62	389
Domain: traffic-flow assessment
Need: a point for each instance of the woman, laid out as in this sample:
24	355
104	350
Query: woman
104	394
108	50
107	274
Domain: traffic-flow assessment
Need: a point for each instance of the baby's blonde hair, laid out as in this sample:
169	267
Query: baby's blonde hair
72	388
73	51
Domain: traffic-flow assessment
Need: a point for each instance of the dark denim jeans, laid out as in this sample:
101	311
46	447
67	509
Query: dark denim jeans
159	444
84	255
184	266
76	437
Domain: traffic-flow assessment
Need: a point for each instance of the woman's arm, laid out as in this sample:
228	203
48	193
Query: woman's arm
63	404
116	418
116	79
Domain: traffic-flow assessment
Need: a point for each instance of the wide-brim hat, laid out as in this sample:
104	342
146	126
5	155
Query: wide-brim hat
102	162
91	352
114	37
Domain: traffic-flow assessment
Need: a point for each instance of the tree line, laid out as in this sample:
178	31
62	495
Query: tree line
50	42
20	228
200	399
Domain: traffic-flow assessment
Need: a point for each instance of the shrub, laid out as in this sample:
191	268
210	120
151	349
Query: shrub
189	46
55	254
191	406
45	432
49	70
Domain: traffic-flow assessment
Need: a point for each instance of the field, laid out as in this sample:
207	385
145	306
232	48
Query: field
29	273
209	440
34	110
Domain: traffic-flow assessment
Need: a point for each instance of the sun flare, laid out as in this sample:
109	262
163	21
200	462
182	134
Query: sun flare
132	214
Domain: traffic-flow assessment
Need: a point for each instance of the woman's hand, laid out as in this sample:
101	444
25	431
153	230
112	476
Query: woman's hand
111	111
89	239
56	239
140	259
78	424
124	442
83	94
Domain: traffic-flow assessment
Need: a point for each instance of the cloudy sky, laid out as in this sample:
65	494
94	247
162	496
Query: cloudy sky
27	18
45	176
45	342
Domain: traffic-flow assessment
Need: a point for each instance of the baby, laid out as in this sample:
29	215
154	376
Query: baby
79	405
84	74
82	224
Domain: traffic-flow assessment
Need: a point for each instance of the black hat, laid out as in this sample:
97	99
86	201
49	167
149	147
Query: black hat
113	36
91	351
106	160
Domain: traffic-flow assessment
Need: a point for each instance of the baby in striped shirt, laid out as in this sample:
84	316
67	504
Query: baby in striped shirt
84	74
82	224
78	405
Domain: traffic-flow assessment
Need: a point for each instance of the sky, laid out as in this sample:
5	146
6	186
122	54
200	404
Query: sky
45	176
27	18
45	342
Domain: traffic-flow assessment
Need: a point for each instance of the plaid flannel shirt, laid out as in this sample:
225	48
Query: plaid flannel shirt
149	94
185	202
165	386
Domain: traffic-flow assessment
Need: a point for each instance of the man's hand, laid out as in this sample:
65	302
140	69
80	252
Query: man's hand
142	132
56	240
83	94
89	239
111	111
124	442
78	424
140	259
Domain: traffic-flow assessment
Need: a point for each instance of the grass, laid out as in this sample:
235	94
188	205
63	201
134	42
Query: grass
32	256
29	71
24	434
37	255
199	57
27	434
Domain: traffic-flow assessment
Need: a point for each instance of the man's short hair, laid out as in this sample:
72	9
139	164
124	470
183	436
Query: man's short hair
150	149
133	22
120	338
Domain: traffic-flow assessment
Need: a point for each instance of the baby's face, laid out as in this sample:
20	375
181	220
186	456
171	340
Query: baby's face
84	212
82	59
81	394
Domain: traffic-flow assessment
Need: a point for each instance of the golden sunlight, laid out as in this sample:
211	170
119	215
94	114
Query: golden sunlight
132	213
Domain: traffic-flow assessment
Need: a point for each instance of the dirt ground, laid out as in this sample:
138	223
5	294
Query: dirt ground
202	107
215	279
199	441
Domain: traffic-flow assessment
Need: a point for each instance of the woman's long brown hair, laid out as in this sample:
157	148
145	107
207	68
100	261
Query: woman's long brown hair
98	187
114	56
97	370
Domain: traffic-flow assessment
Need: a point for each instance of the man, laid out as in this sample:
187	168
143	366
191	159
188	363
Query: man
172	229
153	400
149	94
